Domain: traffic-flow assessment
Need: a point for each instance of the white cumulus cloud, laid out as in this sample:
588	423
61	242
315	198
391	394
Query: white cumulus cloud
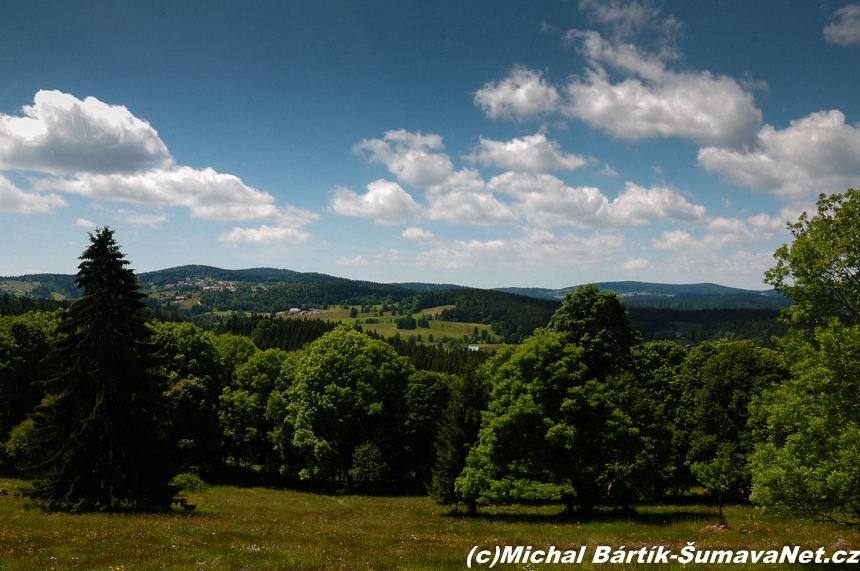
84	223
845	28
819	153
409	156
104	152
265	235
463	198
533	153
13	199
523	94
385	202
654	101
61	134
140	219
418	234
545	201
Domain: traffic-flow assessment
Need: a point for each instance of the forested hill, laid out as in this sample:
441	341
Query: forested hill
673	296
173	275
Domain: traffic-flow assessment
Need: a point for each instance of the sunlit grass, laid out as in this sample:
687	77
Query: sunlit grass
257	528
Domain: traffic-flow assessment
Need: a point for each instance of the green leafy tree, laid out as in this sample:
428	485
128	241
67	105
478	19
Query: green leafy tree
653	396
598	322
550	431
722	430
345	389
243	407
99	435
234	350
808	461
820	270
25	341
192	364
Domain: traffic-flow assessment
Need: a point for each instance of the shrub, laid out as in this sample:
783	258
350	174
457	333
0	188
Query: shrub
188	482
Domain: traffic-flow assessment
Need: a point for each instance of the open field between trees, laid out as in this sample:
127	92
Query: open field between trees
257	528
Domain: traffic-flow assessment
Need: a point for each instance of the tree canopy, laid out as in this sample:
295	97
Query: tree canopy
820	270
598	322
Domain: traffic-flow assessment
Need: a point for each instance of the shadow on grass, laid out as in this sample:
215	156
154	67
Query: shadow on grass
665	518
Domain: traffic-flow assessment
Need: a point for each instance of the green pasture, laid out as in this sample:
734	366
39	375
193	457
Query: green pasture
256	528
15	287
387	325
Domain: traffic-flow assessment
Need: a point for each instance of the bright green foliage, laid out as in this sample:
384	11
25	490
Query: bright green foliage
189	482
809	461
25	341
242	413
100	440
550	432
234	351
346	389
186	351
598	322
720	383
820	270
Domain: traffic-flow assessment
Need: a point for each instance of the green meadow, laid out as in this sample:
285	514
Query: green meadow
265	529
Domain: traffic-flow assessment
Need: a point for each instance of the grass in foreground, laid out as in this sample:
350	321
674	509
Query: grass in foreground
256	528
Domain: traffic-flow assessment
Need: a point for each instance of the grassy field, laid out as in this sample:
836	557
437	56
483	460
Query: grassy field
387	326
262	529
13	287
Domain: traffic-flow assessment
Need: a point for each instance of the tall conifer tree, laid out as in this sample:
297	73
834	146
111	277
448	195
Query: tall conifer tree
99	434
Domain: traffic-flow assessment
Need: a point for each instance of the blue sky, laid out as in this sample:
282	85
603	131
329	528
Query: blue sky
487	144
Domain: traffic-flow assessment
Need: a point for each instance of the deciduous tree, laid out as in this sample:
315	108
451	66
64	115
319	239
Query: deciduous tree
820	269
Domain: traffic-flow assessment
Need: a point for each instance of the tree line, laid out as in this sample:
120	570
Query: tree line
582	412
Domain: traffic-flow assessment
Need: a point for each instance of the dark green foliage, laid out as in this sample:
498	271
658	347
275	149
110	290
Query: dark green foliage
653	396
99	437
11	305
551	431
189	359
427	396
368	467
720	382
756	325
458	433
272	333
598	322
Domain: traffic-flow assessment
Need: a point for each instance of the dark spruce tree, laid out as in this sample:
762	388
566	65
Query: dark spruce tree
99	432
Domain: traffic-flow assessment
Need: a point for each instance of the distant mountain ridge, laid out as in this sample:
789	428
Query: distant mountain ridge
634	293
673	296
